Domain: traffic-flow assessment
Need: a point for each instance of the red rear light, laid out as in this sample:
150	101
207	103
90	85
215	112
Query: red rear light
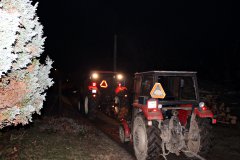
155	110
204	108
94	84
214	121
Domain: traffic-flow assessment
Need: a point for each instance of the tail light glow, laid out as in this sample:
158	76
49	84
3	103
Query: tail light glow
214	121
204	108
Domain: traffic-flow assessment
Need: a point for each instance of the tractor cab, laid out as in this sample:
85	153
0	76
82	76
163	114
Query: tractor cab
170	88
167	116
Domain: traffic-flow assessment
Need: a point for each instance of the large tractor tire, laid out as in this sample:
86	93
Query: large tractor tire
122	135
146	139
200	140
80	107
90	108
206	135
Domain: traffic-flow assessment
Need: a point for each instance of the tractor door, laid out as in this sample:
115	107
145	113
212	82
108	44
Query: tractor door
142	88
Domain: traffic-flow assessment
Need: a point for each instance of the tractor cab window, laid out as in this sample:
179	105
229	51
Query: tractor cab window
137	86
178	88
146	86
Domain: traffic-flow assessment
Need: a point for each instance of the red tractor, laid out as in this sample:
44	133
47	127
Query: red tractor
167	116
104	91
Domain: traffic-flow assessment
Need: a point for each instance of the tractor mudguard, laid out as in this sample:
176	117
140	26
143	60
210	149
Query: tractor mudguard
120	89
126	128
203	114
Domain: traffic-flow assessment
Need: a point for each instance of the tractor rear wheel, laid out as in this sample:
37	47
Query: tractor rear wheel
200	137
79	106
206	135
90	108
146	139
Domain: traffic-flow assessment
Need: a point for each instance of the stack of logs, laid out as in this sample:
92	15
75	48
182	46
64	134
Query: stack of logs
221	112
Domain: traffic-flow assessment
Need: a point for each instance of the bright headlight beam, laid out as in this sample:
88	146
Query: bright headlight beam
119	76
94	75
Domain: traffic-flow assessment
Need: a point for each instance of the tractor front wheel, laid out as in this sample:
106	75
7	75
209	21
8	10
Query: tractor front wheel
122	135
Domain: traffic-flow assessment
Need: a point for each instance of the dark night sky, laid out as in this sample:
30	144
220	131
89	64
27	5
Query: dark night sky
165	35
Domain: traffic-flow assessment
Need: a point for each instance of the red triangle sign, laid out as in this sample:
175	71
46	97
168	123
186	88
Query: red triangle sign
104	84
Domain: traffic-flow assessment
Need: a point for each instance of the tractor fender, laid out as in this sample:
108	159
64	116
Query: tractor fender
203	114
120	89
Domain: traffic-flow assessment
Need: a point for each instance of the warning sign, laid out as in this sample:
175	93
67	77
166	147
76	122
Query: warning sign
157	91
104	84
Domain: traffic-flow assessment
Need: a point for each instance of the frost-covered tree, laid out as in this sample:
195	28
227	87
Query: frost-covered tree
23	79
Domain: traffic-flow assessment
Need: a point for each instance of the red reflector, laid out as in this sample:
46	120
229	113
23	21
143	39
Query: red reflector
214	121
204	108
155	110
94	84
104	84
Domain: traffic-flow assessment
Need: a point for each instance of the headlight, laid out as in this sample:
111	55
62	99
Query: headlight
201	104
95	76
119	76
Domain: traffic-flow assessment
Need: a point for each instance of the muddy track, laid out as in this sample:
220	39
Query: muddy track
226	140
109	126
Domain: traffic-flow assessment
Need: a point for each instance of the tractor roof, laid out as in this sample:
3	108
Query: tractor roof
110	72
167	73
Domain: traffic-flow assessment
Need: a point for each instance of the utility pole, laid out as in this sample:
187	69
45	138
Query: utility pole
115	53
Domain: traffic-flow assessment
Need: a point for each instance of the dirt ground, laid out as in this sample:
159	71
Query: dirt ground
69	139
226	144
59	139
